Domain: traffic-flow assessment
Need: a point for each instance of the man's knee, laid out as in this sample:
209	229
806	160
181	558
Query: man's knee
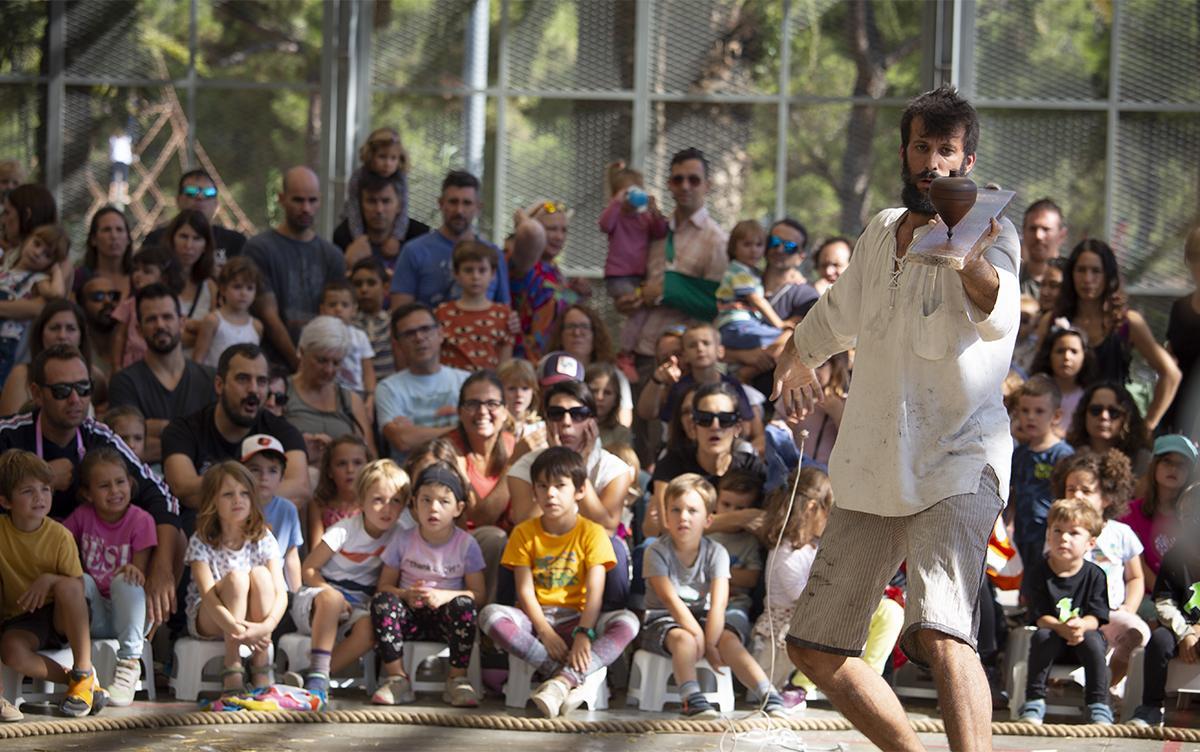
938	647
816	664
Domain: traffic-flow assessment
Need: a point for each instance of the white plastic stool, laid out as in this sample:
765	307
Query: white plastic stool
297	649
520	686
423	661
104	658
192	657
652	685
43	691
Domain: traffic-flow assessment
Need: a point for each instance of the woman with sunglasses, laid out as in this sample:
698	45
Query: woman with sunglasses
109	252
61	322
1108	418
1092	300
716	428
484	448
317	405
570	411
540	292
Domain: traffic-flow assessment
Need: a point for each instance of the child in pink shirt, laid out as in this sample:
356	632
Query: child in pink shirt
115	540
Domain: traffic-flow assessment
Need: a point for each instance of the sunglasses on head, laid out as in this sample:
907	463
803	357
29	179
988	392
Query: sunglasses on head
692	180
789	246
1114	412
706	418
577	413
99	296
63	390
193	191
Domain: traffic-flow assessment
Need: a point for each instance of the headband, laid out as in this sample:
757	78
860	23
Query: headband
440	473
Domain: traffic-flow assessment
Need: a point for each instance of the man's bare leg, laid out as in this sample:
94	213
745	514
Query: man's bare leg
962	688
861	695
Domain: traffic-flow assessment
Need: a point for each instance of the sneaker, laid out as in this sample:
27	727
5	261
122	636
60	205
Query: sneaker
318	685
794	697
124	682
1033	711
459	693
1100	714
550	696
395	690
9	712
775	707
1147	716
84	695
697	707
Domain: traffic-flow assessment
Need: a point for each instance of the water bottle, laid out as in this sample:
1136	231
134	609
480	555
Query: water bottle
637	198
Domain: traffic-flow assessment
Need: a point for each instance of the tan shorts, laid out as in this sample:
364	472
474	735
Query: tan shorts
944	547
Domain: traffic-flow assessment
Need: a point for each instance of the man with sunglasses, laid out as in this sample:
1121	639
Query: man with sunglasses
922	463
164	384
694	240
59	431
198	191
419	403
99	297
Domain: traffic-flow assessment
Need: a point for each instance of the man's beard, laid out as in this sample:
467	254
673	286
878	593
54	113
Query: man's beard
103	323
235	415
915	200
167	349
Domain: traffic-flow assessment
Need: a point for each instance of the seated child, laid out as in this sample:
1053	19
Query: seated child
687	593
476	332
433	575
1177	602
357	370
335	497
370	287
1034	458
128	422
237	593
736	490
559	561
266	460
1105	481
27	280
1068	601
42	602
745	319
115	539
341	572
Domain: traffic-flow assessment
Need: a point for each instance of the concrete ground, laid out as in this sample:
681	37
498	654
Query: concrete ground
335	738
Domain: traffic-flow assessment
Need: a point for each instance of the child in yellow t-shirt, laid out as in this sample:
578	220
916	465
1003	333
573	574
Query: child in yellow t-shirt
559	560
42	604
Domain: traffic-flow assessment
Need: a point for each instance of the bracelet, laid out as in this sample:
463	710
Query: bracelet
591	633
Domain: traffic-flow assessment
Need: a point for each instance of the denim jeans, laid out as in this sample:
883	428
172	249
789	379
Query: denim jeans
121	616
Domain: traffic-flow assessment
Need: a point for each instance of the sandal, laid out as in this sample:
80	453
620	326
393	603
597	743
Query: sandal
257	672
229	671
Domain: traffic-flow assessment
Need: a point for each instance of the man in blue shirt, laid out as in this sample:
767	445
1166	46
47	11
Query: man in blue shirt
424	273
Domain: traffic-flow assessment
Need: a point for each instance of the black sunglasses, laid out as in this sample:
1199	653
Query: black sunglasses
280	398
692	180
1114	412
63	390
578	413
706	417
99	296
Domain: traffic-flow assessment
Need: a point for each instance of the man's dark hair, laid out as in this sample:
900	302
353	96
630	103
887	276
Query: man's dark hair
372	183
407	310
691	153
559	462
154	292
943	113
796	225
192	174
832	241
247	350
37	369
1044	204
460	179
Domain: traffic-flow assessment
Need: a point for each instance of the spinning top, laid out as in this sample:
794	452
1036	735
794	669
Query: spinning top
952	198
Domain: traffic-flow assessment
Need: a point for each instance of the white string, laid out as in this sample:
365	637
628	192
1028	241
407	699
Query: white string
773	737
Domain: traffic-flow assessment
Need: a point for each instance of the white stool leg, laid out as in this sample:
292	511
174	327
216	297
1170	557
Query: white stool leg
519	686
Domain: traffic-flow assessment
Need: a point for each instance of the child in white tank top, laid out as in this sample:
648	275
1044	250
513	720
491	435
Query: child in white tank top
231	323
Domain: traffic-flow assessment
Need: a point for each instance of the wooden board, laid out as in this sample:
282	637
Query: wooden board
936	248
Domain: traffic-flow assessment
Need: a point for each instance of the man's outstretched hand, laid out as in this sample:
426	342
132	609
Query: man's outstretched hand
797	384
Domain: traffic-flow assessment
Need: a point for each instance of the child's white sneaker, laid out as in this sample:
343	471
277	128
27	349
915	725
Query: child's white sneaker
124	682
550	696
459	693
395	690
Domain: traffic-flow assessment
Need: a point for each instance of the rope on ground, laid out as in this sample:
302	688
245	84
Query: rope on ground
99	724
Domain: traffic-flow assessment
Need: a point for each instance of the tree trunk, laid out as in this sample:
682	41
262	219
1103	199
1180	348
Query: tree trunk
870	81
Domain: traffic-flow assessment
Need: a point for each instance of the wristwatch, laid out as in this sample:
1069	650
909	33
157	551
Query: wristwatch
591	633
